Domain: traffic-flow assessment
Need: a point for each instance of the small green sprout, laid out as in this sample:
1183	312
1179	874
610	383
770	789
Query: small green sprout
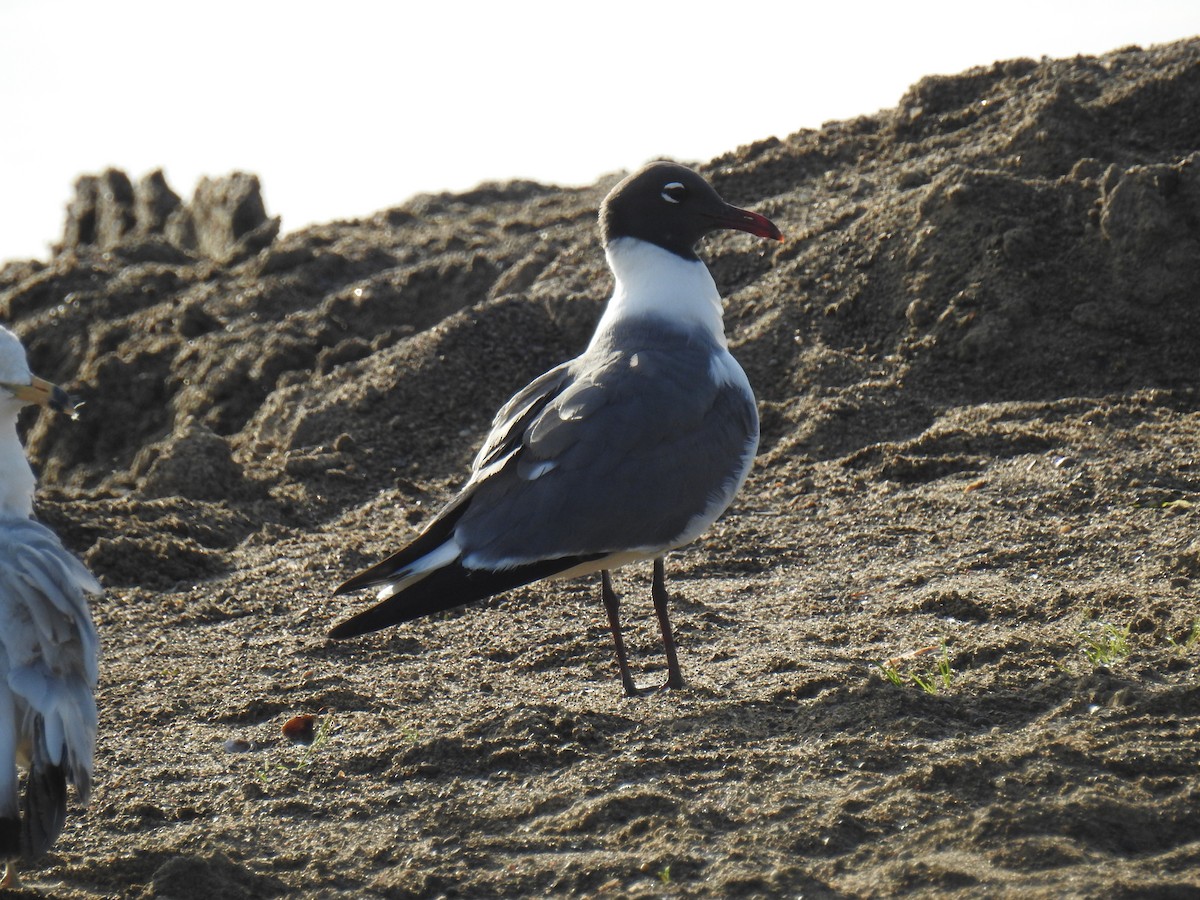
930	681
1188	642
1105	643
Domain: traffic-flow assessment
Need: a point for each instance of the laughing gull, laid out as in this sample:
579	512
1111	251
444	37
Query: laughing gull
626	452
48	645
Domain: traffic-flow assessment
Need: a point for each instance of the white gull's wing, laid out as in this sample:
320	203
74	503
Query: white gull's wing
49	652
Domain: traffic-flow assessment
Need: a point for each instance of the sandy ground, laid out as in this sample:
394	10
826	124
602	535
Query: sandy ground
944	644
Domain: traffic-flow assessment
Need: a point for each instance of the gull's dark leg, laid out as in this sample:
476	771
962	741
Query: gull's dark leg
612	606
658	591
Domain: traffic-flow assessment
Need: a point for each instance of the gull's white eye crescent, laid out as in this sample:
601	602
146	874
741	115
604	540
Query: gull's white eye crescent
674	192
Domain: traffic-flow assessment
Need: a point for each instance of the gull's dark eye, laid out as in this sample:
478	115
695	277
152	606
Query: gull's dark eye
674	192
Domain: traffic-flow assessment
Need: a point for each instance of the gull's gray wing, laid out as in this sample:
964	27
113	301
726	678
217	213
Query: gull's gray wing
49	654
510	423
630	449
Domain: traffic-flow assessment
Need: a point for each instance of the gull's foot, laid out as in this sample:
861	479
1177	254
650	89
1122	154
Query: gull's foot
674	682
632	690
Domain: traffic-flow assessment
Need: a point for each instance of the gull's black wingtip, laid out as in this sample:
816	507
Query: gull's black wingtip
377	575
346	587
364	621
341	631
391	611
45	807
443	589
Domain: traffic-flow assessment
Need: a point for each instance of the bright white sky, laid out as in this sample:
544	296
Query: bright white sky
342	113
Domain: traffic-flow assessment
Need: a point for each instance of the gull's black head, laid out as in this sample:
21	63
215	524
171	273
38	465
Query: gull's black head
671	206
